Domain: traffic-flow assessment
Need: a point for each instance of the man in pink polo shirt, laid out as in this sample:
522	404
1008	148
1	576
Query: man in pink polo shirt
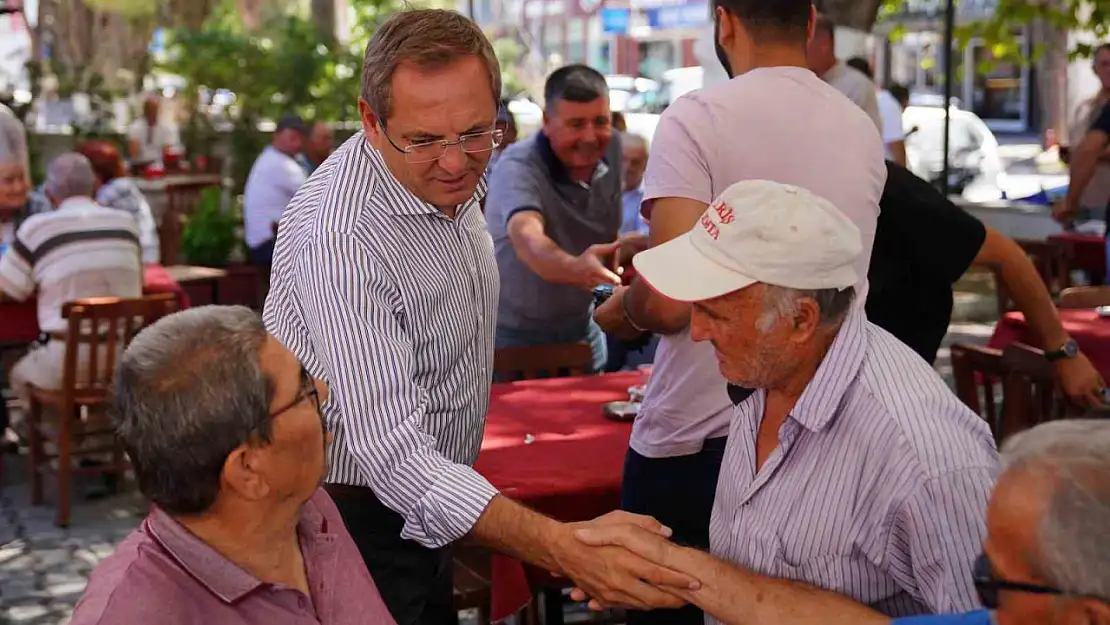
773	120
224	429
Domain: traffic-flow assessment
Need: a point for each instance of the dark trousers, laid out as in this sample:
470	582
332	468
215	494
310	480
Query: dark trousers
263	258
679	493
414	581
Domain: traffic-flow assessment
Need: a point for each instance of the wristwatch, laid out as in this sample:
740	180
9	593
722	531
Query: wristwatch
1070	349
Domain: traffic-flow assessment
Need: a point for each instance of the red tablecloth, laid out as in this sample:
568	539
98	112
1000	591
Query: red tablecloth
572	471
1091	332
19	320
1088	253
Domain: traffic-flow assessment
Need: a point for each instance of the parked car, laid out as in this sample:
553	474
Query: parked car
976	170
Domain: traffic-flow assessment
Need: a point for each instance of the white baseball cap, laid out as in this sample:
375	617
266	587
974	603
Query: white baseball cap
756	231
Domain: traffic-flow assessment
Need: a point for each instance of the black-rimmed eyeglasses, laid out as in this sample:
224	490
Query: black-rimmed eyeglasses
988	586
428	151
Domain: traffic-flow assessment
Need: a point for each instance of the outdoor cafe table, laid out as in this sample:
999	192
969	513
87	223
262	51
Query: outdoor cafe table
1091	332
548	446
19	322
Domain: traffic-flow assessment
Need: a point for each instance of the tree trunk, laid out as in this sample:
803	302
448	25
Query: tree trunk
858	14
324	14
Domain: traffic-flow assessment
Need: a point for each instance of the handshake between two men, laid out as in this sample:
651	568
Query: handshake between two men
627	560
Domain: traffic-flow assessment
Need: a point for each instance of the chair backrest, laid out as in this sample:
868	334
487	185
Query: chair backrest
1031	390
1051	259
980	374
1085	297
181	200
99	330
540	361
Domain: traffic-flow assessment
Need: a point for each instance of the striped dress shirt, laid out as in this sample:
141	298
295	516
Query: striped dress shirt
394	305
877	489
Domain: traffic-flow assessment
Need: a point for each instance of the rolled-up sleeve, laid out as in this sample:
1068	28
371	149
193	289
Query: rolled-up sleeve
353	313
938	532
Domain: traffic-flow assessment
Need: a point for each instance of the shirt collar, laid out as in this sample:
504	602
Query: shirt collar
816	407
401	201
559	171
221	576
77	202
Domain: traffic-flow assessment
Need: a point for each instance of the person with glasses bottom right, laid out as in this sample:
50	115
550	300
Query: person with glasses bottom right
1046	557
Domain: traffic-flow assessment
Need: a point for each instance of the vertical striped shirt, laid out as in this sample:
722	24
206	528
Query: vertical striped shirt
79	250
393	304
877	489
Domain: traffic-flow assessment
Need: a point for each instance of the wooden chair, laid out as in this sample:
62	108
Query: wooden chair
540	361
1085	297
473	580
181	200
980	375
1031	390
99	330
1051	258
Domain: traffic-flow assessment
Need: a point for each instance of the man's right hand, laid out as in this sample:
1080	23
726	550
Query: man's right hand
589	268
613	576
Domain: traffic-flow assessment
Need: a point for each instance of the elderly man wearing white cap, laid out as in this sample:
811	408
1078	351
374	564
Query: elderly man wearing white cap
852	466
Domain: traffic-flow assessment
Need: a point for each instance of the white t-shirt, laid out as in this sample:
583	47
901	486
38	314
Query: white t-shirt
152	140
778	123
857	87
891	114
273	181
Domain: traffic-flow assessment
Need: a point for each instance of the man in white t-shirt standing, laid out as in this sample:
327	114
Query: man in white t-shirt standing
775	120
148	137
821	57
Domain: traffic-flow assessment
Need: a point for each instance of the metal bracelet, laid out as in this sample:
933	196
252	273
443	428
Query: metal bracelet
628	316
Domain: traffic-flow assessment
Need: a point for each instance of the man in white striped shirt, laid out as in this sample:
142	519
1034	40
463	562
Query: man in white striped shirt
385	285
78	250
852	466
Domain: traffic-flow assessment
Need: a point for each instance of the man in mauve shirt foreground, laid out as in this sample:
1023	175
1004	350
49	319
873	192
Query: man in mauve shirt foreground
224	429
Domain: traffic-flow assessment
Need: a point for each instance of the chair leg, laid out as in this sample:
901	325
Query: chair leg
65	468
35	451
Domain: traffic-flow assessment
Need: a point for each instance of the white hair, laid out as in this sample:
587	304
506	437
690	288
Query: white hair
780	302
13	139
1073	553
634	140
70	175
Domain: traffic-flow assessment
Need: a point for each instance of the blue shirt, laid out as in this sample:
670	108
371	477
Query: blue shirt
978	617
631	219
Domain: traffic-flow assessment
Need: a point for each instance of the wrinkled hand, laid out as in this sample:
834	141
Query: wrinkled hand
610	317
648	545
1080	381
613	576
589	267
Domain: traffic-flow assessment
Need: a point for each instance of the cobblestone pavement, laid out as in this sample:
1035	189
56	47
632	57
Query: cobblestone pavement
43	569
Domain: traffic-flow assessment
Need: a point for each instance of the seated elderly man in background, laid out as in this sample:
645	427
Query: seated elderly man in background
15	183
1044	563
851	466
80	249
116	190
224	429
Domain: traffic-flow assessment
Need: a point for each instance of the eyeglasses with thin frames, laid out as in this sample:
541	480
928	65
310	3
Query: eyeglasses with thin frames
309	391
428	151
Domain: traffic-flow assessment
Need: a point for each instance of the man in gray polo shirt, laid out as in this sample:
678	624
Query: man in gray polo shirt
554	211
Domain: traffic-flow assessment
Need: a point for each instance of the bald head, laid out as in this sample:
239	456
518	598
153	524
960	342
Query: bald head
634	155
69	175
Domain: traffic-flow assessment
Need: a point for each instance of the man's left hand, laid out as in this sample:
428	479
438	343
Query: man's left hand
1063	212
610	316
1080	381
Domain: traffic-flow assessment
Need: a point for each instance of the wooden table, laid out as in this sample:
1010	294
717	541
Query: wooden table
202	284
